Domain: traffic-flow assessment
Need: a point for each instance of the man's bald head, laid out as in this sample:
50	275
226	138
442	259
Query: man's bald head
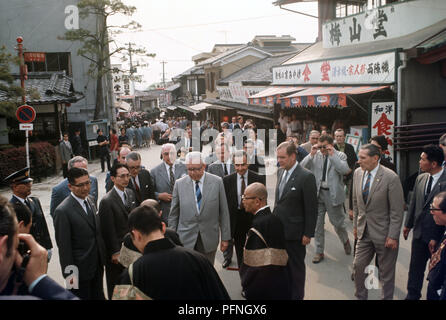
123	152
152	203
255	197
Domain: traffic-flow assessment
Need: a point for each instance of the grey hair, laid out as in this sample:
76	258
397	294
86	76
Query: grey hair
372	150
168	145
134	156
76	159
194	157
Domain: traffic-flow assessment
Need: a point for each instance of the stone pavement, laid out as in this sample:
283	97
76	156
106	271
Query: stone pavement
328	280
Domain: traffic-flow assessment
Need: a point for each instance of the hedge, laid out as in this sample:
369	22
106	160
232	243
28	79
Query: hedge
42	157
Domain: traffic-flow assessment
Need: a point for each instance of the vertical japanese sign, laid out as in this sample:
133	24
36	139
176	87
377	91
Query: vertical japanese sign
383	123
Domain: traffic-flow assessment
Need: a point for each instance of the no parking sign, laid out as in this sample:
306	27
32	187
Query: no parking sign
25	114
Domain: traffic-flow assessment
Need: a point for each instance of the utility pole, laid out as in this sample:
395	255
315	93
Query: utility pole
164	75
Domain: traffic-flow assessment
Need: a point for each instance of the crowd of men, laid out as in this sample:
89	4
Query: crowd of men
168	222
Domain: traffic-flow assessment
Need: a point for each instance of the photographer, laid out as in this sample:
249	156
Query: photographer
15	273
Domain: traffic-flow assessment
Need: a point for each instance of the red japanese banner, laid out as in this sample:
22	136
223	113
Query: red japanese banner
383	123
34	56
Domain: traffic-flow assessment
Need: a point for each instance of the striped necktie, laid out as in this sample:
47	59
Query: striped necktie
198	194
172	178
365	190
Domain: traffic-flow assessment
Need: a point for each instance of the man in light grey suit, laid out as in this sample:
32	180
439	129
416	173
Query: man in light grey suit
164	176
66	153
329	167
199	209
378	207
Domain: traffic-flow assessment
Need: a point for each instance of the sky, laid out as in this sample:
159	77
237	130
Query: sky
176	30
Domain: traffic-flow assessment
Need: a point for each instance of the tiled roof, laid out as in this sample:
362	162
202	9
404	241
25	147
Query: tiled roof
47	88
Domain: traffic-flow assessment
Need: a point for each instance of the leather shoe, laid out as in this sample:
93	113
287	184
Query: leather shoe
226	263
318	258
347	248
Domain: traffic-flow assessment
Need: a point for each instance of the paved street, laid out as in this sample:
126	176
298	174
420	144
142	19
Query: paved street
329	279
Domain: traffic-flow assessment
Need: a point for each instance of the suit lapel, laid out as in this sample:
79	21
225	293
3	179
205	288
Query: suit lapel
290	181
435	189
376	181
80	211
118	199
164	173
204	194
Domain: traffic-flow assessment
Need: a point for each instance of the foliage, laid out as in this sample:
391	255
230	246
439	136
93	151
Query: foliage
95	45
42	157
9	93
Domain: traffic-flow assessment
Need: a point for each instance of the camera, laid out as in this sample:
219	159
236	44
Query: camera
23	248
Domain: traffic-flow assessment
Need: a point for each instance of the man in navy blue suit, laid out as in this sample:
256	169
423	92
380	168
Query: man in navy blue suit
33	281
61	191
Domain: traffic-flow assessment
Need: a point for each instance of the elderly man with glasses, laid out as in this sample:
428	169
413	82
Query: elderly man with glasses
140	180
199	210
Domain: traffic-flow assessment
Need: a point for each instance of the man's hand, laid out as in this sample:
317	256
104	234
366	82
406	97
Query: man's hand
305	240
314	149
166	197
432	245
391	243
350	214
224	245
115	258
355	233
38	260
406	232
330	149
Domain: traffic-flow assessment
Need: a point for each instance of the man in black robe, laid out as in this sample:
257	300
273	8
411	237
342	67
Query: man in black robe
166	271
268	281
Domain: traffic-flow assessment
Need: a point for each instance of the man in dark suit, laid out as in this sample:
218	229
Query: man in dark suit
296	206
113	214
77	143
349	151
255	161
235	185
61	191
140	180
35	283
21	183
79	238
426	234
122	153
436	289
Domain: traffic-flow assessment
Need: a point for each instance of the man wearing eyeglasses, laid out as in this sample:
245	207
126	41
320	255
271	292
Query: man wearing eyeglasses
442	144
114	209
436	290
79	238
426	234
199	210
140	180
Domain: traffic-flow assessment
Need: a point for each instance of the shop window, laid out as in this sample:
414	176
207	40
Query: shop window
54	61
45	125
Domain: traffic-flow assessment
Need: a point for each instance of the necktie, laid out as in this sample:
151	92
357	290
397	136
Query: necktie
137	193
28	204
242	192
324	170
172	178
429	188
125	199
87	207
282	183
225	168
365	191
198	194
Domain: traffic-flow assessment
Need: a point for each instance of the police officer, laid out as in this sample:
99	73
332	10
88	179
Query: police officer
20	184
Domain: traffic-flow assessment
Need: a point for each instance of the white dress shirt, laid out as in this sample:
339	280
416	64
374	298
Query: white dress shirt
168	170
121	194
239	186
81	202
372	178
434	181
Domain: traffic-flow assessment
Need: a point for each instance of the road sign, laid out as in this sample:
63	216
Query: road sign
25	114
26	126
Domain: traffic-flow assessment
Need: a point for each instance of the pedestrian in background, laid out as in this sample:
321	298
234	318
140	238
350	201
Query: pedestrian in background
66	153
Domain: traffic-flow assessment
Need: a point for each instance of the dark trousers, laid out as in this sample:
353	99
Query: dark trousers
64	169
230	251
419	256
296	266
105	157
113	275
92	289
239	244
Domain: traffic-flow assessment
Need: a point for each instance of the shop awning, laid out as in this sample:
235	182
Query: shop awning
171	108
203	106
325	96
271	95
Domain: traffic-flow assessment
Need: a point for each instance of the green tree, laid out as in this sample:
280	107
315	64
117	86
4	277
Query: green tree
95	44
10	93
